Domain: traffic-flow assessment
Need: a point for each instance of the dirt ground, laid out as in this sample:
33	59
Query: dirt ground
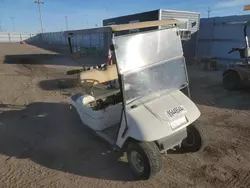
44	144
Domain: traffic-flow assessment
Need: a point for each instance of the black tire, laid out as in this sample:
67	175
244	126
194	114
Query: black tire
196	140
231	80
150	157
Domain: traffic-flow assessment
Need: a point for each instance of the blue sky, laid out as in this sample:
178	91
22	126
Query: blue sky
88	13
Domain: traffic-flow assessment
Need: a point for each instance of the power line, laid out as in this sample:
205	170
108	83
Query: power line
208	12
39	2
66	21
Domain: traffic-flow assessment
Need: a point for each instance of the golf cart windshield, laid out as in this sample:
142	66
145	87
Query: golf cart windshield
150	62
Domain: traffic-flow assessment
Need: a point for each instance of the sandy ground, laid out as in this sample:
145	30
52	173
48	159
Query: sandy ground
44	144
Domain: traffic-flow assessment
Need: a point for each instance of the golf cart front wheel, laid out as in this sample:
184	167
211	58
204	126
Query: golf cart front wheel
196	139
144	159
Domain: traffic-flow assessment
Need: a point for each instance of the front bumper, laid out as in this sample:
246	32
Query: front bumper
171	141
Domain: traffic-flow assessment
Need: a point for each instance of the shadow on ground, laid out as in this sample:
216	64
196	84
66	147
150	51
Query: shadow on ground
54	59
41	59
58	84
57	48
207	89
52	135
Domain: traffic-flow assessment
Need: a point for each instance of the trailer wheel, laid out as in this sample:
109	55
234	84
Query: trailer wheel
196	139
144	159
231	80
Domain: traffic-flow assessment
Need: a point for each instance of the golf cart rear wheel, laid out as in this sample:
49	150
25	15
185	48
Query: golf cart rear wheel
144	159
196	139
231	80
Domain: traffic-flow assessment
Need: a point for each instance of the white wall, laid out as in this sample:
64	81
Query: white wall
219	35
14	37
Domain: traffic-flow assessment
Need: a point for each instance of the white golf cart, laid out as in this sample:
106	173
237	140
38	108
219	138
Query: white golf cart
147	114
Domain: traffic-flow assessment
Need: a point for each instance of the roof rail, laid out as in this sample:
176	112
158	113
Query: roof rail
146	24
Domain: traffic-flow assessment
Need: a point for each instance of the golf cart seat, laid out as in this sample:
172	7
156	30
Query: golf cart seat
98	76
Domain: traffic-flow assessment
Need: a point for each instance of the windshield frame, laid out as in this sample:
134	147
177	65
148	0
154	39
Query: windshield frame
122	75
175	39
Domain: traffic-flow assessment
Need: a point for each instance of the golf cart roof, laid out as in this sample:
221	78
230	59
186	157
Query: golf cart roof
122	27
143	24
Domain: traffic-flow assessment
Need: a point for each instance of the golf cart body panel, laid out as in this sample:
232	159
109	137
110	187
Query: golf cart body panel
153	70
159	118
97	120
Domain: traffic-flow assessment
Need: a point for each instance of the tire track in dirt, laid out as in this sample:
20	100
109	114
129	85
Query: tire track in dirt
212	175
219	167
178	172
14	178
229	157
26	174
242	179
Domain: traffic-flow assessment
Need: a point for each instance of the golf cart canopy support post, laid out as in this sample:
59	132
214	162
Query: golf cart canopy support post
245	33
144	25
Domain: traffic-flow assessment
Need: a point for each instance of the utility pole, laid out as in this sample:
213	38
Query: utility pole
39	2
66	20
1	28
13	23
208	12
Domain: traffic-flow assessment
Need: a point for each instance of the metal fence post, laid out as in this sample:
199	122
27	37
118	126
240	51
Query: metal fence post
211	40
9	37
99	41
61	38
90	43
82	42
70	45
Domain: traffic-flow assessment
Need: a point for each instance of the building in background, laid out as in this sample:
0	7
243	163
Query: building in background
219	35
189	29
97	41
